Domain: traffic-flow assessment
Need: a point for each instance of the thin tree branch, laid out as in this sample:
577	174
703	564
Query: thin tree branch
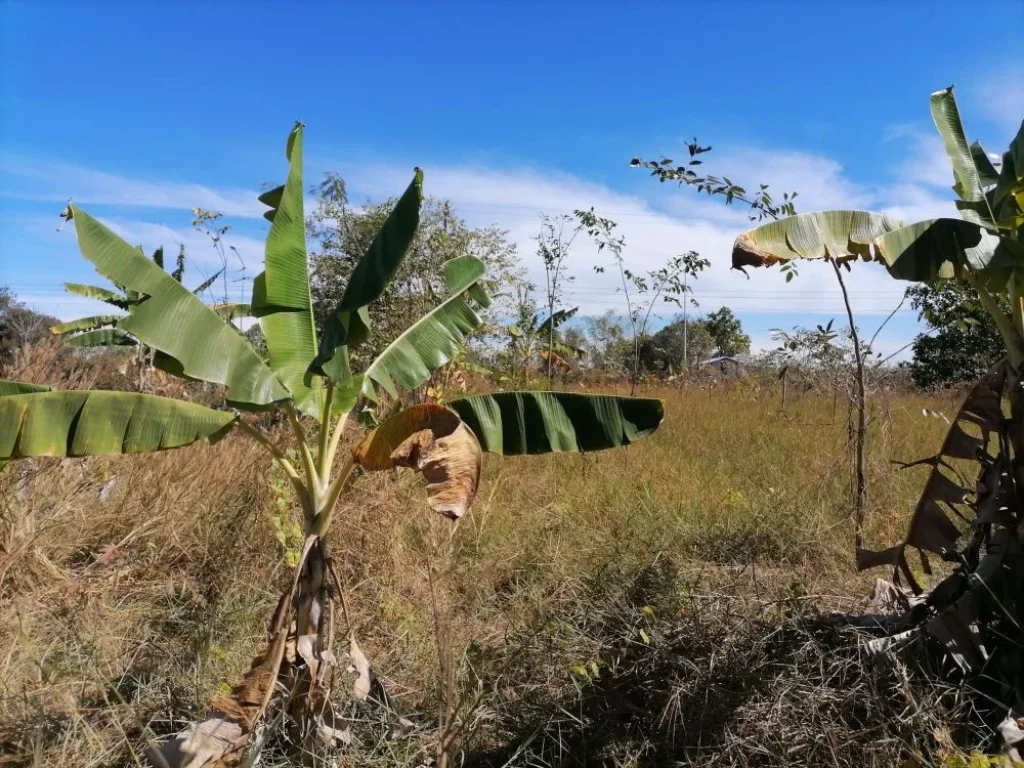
885	322
860	497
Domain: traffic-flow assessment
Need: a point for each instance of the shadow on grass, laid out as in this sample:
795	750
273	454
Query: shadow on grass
716	685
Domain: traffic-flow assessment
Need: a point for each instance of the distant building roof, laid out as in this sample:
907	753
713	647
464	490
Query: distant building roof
720	359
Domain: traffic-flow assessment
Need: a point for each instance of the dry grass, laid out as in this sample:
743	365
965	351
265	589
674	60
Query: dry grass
133	589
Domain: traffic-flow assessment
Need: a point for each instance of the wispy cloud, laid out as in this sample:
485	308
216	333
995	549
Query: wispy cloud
39	179
514	199
999	97
664	222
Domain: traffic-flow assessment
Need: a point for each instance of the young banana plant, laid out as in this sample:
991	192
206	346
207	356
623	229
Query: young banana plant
978	611
311	381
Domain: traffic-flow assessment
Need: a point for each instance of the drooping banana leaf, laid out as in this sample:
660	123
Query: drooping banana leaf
513	423
940	248
100	337
430	342
834	234
174	321
945	497
84	324
281	297
369	279
432	440
8	388
96	292
91	423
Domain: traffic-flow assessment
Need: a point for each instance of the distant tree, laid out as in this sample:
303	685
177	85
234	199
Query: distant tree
676	346
962	344
607	343
727	331
19	325
341	235
554	244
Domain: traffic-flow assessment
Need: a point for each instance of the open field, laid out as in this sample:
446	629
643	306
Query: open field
135	588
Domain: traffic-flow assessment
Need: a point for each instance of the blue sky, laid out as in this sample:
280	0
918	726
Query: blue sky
141	111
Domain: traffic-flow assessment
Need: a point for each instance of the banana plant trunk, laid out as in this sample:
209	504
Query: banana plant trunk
297	667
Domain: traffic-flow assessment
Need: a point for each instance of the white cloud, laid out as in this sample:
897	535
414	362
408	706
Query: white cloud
1000	98
664	222
56	181
514	200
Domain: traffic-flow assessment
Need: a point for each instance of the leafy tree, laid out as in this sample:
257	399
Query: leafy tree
341	235
554	244
310	381
975	612
727	331
676	346
962	344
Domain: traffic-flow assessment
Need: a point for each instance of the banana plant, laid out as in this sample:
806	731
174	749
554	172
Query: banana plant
102	331
312	382
532	340
977	611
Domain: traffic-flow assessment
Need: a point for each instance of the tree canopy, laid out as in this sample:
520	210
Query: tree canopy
962	342
727	331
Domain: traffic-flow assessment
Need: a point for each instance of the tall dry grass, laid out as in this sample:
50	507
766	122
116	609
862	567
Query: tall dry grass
131	589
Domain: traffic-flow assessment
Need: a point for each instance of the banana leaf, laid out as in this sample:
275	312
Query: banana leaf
430	342
513	423
92	423
369	279
173	320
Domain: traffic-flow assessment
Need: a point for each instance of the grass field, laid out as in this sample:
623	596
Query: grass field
659	605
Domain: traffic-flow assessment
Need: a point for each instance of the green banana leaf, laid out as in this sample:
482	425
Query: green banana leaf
232	311
513	423
454	275
430	342
174	321
944	111
835	234
369	279
98	293
479	294
92	423
8	388
84	324
281	297
986	171
100	337
939	248
1007	199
